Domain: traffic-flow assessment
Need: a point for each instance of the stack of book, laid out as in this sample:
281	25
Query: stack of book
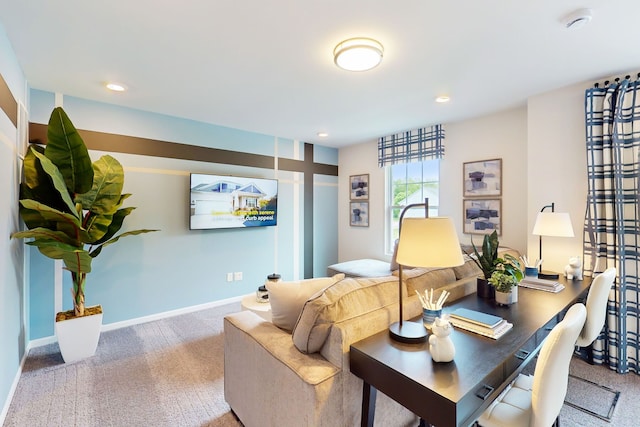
541	284
480	323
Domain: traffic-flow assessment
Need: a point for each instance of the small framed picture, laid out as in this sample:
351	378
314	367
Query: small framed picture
482	216
359	187
482	178
359	214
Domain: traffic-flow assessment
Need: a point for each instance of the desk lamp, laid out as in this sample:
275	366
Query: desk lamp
423	242
552	224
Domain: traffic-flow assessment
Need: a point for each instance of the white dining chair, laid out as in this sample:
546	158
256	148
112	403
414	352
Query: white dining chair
535	400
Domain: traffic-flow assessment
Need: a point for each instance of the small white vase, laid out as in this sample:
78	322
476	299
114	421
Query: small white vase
504	298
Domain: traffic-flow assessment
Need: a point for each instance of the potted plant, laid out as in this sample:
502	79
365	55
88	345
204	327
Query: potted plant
488	261
503	283
72	209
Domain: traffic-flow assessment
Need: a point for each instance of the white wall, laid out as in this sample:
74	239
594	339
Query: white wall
497	136
544	161
501	135
557	168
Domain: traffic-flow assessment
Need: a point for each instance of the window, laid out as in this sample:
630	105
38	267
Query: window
410	183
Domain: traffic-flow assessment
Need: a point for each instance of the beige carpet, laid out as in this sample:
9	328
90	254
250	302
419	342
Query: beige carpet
163	373
170	373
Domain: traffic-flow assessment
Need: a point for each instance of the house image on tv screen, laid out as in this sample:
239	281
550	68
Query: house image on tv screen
235	202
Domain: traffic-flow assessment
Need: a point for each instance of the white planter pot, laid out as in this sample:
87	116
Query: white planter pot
505	298
78	337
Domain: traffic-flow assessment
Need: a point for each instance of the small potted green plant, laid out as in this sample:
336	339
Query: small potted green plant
503	283
72	209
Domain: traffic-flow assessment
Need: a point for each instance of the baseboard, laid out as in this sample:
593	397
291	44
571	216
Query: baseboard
140	320
12	389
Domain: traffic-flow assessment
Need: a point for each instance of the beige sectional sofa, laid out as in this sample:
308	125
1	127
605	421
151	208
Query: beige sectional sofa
274	377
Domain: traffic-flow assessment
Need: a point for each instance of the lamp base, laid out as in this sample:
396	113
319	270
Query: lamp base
408	332
548	275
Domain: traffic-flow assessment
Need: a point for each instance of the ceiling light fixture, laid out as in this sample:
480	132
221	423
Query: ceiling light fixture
323	134
116	87
577	19
358	54
442	99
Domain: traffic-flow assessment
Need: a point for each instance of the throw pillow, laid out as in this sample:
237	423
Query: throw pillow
288	298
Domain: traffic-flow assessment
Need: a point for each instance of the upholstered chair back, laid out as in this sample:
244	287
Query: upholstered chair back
551	375
596	307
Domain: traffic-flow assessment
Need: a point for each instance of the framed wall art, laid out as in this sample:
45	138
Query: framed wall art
359	214
482	178
359	187
482	216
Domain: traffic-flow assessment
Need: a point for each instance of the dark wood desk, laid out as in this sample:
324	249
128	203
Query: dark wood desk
456	393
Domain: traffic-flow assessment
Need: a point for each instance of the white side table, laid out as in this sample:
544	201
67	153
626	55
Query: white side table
262	309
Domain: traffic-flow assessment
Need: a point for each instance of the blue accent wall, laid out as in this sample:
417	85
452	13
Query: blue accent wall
13	295
176	268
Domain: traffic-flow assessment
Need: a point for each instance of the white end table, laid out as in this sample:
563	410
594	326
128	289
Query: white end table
262	309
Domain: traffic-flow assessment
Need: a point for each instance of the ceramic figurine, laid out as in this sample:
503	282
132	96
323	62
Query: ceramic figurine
440	344
573	270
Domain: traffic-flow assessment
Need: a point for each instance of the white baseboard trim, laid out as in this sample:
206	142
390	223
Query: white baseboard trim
12	390
139	320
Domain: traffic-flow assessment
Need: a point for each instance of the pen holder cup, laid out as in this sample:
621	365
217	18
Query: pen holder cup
429	316
531	271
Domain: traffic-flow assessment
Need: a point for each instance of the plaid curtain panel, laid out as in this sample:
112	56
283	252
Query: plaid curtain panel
611	229
412	146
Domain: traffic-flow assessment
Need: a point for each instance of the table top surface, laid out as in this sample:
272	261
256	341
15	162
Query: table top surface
476	356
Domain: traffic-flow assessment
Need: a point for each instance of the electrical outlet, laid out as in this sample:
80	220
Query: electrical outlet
237	275
229	277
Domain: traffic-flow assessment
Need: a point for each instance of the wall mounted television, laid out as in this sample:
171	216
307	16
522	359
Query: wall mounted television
222	201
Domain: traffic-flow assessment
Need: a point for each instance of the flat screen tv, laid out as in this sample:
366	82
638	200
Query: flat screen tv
219	201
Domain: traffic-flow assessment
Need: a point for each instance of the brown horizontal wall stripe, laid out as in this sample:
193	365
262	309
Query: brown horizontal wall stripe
150	147
299	166
8	103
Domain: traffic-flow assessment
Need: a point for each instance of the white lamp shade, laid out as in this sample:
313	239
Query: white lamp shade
429	242
556	224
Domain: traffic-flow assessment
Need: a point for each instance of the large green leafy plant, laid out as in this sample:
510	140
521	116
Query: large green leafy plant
71	206
489	262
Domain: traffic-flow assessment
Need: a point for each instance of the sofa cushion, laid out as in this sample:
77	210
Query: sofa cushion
468	269
422	279
341	301
288	298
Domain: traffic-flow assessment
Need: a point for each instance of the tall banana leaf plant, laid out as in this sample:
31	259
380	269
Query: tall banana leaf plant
71	206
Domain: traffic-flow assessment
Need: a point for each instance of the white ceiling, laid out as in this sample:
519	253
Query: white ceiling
266	65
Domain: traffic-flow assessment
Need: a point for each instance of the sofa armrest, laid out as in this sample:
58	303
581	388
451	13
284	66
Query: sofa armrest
246	332
267	381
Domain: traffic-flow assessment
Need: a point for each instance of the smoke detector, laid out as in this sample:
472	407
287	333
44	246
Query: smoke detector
577	19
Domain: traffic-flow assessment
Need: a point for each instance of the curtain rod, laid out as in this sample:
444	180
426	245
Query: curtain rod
616	80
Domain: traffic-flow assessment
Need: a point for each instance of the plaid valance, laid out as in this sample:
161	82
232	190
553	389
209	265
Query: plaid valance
411	146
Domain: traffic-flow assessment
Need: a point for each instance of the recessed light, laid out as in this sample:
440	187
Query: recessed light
323	134
358	54
116	87
442	99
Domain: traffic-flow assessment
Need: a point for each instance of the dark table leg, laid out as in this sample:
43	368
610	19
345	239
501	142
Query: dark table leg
368	404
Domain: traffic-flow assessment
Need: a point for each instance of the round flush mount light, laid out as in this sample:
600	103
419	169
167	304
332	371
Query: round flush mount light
442	99
115	87
322	134
577	19
358	54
